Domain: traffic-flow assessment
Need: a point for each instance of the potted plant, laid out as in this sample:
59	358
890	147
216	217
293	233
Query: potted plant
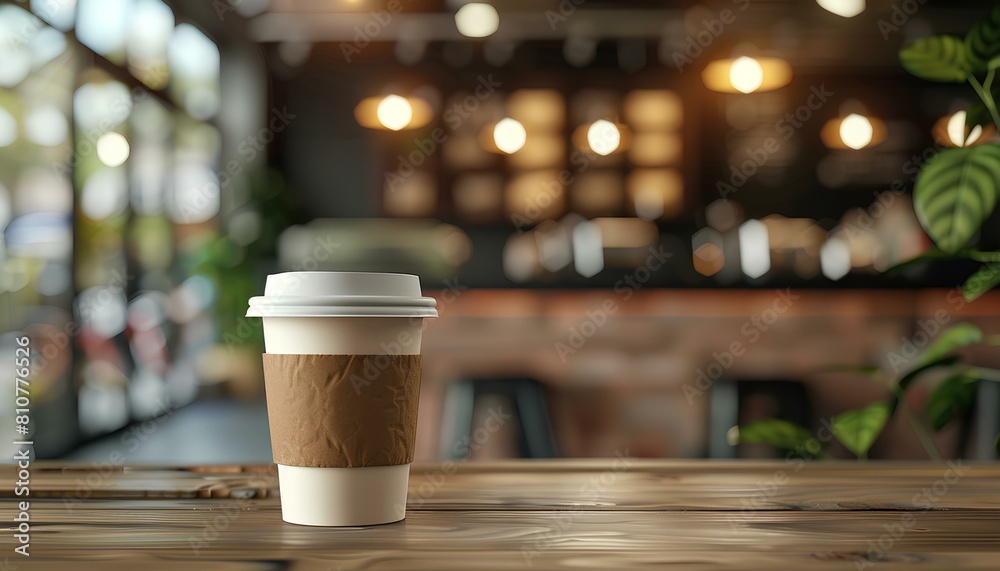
958	188
954	193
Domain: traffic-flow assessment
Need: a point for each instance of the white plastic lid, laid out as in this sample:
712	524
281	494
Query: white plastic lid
342	294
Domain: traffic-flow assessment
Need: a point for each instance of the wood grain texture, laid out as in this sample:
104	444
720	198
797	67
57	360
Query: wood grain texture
611	514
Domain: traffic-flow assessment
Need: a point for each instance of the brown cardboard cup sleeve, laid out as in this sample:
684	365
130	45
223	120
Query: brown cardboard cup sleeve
345	411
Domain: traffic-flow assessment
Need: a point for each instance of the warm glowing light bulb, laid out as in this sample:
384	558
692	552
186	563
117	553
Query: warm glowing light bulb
746	74
112	149
845	8
603	137
509	135
394	112
956	131
856	131
477	20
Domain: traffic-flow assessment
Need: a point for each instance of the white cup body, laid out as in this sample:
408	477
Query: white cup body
343	496
342	335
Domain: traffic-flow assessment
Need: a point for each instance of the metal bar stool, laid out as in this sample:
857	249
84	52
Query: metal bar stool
530	415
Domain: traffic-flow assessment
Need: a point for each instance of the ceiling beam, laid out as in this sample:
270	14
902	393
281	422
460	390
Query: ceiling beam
518	26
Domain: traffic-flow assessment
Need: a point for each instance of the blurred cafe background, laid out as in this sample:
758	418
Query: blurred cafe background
644	222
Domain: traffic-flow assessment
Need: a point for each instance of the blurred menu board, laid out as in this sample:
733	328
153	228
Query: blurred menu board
108	193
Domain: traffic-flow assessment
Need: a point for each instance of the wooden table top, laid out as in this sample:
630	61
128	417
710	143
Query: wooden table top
593	514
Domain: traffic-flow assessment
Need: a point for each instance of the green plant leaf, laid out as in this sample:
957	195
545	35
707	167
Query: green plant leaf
932	254
858	429
977	114
984	373
982	43
953	396
985	279
956	337
870	370
955	192
937	58
906	380
996	444
774	431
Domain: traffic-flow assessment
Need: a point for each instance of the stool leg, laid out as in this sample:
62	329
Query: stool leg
723	414
987	421
537	436
456	419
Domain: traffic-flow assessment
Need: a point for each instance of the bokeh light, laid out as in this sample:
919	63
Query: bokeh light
394	112
477	20
112	149
856	131
746	74
845	8
603	137
509	135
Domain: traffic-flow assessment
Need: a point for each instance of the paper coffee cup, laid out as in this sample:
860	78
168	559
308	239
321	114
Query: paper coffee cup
342	382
